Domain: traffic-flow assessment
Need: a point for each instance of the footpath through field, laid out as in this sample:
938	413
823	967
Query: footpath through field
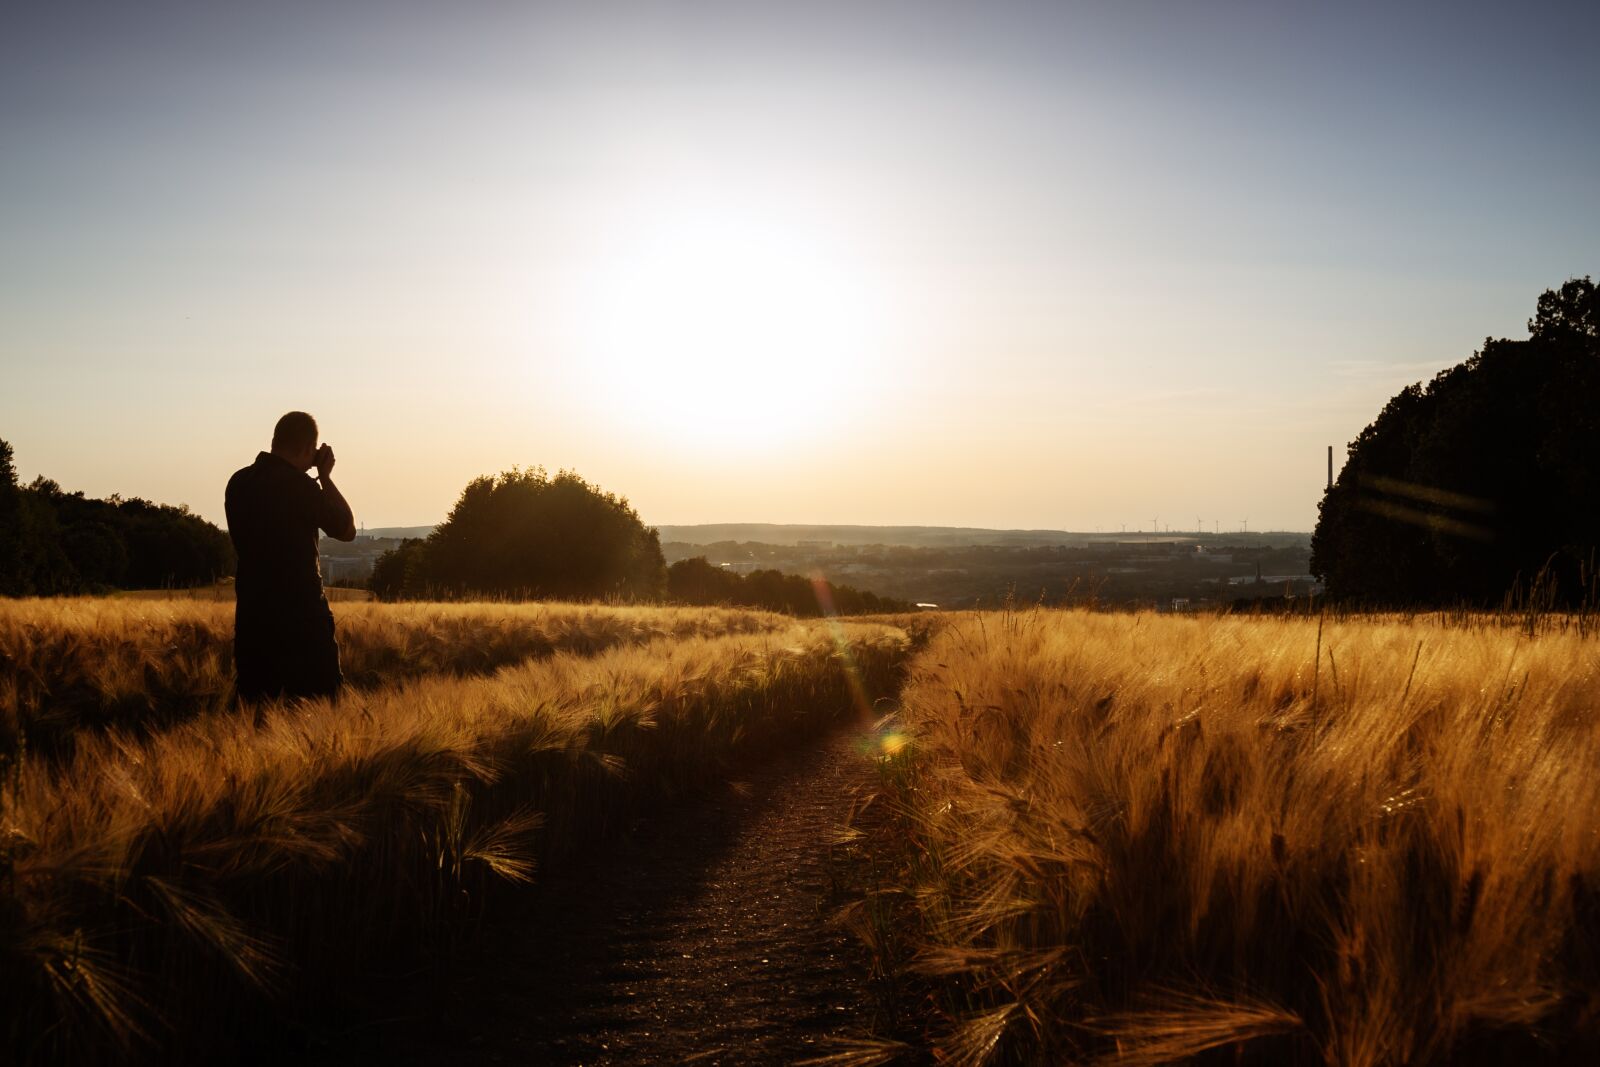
706	936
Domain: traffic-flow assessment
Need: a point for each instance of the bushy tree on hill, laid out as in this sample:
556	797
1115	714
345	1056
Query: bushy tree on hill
527	534
1482	481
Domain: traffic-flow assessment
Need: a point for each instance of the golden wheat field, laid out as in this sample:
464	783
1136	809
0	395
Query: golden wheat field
68	666
225	870
1113	838
223	591
1146	839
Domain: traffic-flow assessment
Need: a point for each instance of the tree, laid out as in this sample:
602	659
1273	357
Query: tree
1572	309
11	525
99	556
526	534
398	572
696	581
1484	479
31	560
55	542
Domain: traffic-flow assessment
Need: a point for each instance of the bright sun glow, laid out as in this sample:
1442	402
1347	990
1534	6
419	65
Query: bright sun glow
726	325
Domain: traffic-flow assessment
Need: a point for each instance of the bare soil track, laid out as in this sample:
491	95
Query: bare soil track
708	936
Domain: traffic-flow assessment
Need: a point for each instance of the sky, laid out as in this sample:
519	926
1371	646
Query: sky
1068	266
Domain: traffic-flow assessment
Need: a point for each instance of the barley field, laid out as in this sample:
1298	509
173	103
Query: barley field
224	591
1144	839
176	891
68	666
1111	838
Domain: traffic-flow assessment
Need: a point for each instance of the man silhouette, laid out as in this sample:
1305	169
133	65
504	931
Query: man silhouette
283	630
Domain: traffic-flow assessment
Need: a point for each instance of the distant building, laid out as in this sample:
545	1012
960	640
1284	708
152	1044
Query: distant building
352	561
1270	584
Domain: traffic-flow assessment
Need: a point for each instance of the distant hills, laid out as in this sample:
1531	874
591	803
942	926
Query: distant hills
398	531
930	536
771	533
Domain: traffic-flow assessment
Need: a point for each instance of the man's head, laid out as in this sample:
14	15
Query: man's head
295	439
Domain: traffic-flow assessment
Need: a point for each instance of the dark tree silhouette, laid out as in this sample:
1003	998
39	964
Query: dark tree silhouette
526	534
397	571
52	541
695	581
1484	480
1574	309
15	539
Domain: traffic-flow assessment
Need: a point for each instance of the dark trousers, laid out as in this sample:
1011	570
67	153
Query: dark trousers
284	656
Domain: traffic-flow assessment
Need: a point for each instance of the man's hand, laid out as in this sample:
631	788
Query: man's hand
339	522
324	461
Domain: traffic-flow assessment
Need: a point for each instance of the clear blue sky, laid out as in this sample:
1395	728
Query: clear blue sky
1046	265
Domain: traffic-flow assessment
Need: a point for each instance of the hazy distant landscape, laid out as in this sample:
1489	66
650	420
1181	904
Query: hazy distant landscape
768	533
919	536
933	566
954	567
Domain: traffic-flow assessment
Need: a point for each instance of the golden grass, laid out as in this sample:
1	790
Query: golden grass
1137	838
224	591
69	665
178	890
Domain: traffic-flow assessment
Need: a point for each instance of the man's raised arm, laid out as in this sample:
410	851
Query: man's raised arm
339	521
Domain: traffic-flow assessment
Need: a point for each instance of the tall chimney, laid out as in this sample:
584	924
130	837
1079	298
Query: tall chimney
1330	468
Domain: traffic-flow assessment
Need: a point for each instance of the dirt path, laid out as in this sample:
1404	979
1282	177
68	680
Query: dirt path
705	937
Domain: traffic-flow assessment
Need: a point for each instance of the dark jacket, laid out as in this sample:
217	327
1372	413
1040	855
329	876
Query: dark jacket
283	631
274	515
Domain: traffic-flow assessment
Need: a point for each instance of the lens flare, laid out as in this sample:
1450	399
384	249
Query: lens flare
852	674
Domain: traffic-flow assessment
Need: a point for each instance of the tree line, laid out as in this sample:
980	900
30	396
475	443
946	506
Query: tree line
53	542
696	581
1482	483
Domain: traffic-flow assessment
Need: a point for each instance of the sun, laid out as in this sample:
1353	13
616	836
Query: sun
729	324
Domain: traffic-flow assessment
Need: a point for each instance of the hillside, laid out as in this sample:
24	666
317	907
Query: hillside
940	536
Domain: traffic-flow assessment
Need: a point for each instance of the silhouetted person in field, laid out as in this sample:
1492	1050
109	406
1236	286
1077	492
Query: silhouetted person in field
283	630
